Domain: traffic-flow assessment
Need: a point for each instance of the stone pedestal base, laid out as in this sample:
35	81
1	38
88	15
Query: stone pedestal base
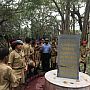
52	82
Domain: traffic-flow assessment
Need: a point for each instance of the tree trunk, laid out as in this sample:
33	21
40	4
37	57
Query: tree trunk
86	18
62	16
73	16
67	19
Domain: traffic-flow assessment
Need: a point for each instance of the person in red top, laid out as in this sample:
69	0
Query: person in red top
83	54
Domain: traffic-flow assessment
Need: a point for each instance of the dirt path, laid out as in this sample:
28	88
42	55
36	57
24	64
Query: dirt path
36	84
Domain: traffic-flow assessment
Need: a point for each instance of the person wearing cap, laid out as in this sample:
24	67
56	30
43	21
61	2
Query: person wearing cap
17	62
7	76
83	54
46	55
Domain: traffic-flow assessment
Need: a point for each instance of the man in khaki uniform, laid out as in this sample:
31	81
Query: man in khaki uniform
29	54
37	53
83	54
53	55
7	76
17	61
28	50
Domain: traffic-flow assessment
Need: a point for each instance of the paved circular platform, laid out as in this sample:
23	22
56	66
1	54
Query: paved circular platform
53	82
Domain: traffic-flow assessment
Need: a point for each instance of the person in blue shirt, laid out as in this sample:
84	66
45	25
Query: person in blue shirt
46	55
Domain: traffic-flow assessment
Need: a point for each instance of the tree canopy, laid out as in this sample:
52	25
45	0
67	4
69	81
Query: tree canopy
38	18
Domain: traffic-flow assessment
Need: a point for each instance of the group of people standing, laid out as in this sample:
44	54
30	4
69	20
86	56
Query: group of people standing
22	59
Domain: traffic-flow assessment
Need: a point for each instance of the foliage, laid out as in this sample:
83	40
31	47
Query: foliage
35	18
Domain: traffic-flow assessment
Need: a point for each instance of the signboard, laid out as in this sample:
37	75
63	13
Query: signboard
68	56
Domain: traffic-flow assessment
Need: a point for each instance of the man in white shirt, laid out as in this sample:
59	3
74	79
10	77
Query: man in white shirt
46	54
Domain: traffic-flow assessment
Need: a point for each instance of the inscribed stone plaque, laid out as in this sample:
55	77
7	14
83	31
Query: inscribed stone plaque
68	56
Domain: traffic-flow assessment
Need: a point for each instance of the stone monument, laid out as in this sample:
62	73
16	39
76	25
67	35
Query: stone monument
68	50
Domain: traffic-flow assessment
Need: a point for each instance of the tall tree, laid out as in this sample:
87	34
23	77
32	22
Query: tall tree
86	18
